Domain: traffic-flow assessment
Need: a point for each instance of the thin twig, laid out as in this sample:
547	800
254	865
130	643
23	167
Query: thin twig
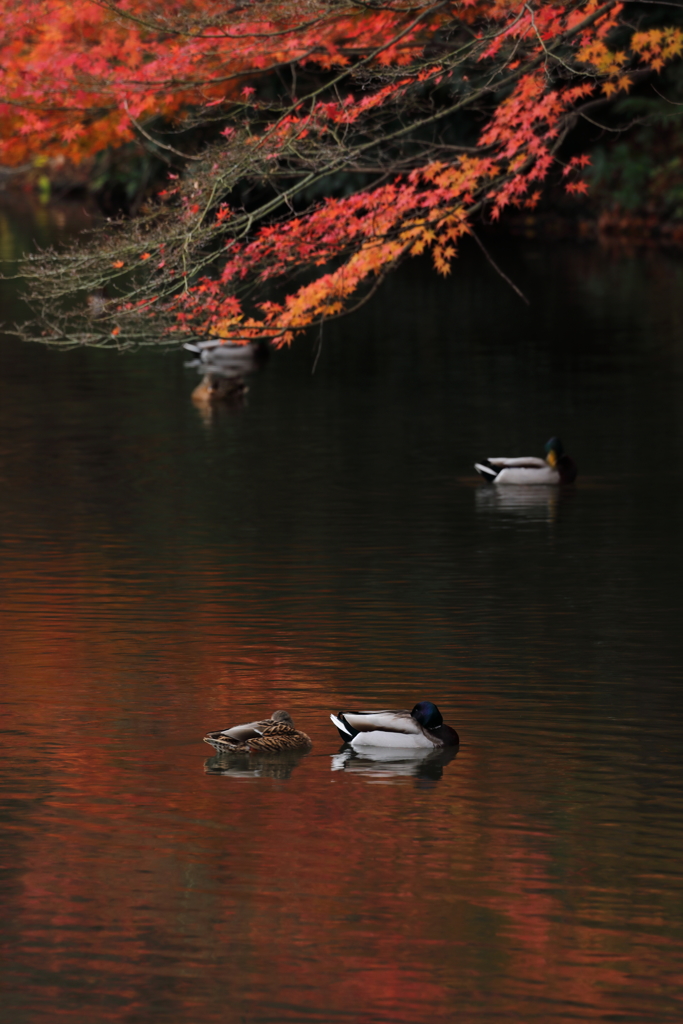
495	266
155	142
320	347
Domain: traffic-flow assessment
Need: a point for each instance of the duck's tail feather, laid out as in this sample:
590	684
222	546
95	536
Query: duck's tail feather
220	741
346	731
485	470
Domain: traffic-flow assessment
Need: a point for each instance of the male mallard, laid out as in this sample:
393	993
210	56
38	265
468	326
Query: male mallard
267	737
420	728
555	468
228	356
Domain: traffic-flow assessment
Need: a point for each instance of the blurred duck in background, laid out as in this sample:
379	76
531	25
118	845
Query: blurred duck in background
224	365
228	357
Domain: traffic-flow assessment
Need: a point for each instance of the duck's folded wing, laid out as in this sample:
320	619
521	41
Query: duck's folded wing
222	742
245	732
526	462
379	721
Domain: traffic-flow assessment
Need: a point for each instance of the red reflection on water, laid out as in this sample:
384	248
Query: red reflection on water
142	887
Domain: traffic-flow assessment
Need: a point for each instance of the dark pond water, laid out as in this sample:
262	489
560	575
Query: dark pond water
164	571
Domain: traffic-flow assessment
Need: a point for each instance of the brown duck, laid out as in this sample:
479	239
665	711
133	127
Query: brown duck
270	736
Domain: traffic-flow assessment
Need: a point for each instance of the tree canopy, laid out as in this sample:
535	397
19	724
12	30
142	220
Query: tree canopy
310	145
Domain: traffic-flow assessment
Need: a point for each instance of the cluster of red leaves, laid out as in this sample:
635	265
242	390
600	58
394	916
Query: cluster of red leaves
81	75
76	74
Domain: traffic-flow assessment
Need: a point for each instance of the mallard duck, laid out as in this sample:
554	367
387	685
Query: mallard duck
228	356
420	728
555	468
266	737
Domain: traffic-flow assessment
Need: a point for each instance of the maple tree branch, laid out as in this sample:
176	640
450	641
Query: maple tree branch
497	269
186	33
155	142
665	98
655	3
390	105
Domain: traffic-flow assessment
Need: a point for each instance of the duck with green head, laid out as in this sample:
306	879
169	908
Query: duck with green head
556	468
422	728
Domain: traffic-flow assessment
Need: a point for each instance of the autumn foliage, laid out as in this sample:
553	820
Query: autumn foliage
325	138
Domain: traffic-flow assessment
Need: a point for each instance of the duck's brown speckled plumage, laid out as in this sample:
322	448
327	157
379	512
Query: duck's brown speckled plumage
270	736
280	736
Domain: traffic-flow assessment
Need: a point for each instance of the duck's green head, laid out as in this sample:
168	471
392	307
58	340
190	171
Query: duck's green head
427	714
553	451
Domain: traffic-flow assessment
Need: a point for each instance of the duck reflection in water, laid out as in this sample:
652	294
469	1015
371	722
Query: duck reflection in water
267	766
215	387
224	366
382	764
540	503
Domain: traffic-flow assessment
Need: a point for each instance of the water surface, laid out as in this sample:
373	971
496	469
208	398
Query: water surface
164	571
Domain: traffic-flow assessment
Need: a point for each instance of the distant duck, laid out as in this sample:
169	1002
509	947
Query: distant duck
269	736
229	356
555	468
421	728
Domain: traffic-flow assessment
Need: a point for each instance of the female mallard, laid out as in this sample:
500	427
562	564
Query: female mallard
270	736
555	468
420	728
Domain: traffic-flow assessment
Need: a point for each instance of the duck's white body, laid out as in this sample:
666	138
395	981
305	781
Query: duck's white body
228	357
384	729
556	468
527	470
395	729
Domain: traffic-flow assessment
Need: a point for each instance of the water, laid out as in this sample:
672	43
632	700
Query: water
164	571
